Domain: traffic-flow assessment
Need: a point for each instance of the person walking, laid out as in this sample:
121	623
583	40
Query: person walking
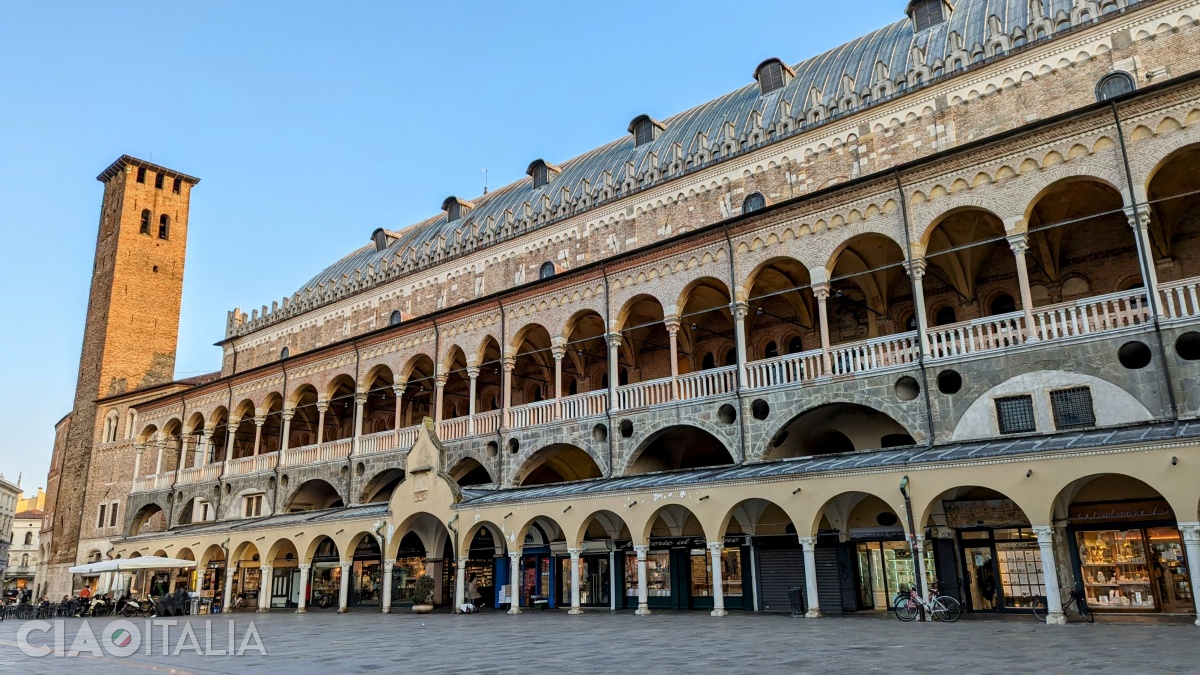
473	595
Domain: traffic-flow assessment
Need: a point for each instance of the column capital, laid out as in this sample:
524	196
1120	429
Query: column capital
441	379
807	543
614	340
821	290
388	565
641	551
305	566
288	414
463	561
266	569
741	308
345	565
1190	530
916	268
399	387
1045	533
1019	243
509	363
322	405
360	397
558	351
473	372
260	420
574	552
515	555
1138	216
716	546
672	323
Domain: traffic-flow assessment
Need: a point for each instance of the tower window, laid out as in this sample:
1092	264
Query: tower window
177	185
644	129
754	202
925	14
395	318
145	228
548	270
1114	84
284	353
158	180
164	226
141	175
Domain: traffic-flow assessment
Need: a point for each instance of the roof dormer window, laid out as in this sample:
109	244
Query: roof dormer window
455	208
541	172
772	74
644	129
926	14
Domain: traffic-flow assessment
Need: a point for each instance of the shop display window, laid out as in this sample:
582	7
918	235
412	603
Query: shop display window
1116	574
404	577
731	572
326	580
1170	568
367	576
658	575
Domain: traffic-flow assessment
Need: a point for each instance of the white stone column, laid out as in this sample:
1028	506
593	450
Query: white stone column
439	397
740	310
227	590
388	566
558	352
259	421
715	548
344	588
137	459
1019	243
360	402
230	436
509	363
614	369
473	379
919	548
1139	220
322	406
264	588
1054	610
201	449
398	392
810	577
821	291
184	453
1191	544
159	445
575	608
514	582
302	603
916	270
672	326
286	435
460	583
643	608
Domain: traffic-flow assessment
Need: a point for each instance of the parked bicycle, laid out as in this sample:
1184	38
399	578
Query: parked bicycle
941	607
1074	596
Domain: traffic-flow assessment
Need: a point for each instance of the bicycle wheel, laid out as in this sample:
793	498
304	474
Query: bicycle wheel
905	610
1085	611
1039	609
947	609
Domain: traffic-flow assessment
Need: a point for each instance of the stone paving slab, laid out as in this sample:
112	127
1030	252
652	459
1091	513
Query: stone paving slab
493	642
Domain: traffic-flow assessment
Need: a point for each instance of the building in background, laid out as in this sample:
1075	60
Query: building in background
10	493
924	308
24	555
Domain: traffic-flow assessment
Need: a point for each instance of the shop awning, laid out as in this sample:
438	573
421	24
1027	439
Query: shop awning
149	562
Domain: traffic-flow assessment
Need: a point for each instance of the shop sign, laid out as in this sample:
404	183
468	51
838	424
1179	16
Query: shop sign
984	512
731	541
1152	509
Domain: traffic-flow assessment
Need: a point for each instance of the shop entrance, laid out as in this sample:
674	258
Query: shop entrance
884	568
595	581
679	574
537	578
366	574
325	577
1002	569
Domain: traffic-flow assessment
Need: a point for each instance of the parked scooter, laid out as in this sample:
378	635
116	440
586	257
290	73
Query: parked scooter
133	607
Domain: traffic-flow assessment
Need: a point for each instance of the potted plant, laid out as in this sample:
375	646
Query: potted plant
422	595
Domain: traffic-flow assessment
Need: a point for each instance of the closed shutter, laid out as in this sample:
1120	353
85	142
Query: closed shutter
947	568
779	570
829	580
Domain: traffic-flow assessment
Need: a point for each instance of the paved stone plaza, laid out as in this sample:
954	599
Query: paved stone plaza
665	643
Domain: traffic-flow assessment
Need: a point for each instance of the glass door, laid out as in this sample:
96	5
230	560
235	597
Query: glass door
1170	569
980	563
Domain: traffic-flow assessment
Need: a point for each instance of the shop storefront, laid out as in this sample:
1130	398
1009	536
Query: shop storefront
1129	557
366	574
325	577
247	583
679	574
998	566
285	587
537	577
483	563
595	576
885	567
212	588
410	564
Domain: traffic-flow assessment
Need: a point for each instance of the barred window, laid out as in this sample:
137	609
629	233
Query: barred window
100	522
253	506
141	175
770	77
926	14
1014	414
112	514
1073	408
643	133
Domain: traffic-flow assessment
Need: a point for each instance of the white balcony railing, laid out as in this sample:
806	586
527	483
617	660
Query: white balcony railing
156	481
531	414
407	437
311	454
789	369
978	335
1180	299
583	405
1091	315
487	422
252	464
712	382
451	429
874	354
644	394
380	441
200	474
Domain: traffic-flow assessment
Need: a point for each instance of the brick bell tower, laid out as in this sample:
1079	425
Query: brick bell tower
132	327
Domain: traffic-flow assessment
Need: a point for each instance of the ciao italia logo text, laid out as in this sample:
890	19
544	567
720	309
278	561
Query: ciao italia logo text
121	638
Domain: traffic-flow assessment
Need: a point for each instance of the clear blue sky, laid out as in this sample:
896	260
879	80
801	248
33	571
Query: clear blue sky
311	124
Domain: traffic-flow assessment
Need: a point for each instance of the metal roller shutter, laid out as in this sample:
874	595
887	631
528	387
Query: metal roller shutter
779	570
829	580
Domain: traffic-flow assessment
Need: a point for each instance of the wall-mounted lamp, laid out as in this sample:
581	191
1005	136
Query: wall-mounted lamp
1174	461
507	515
904	486
631	504
704	497
298	534
567	509
339	532
1029	473
260	539
796	491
